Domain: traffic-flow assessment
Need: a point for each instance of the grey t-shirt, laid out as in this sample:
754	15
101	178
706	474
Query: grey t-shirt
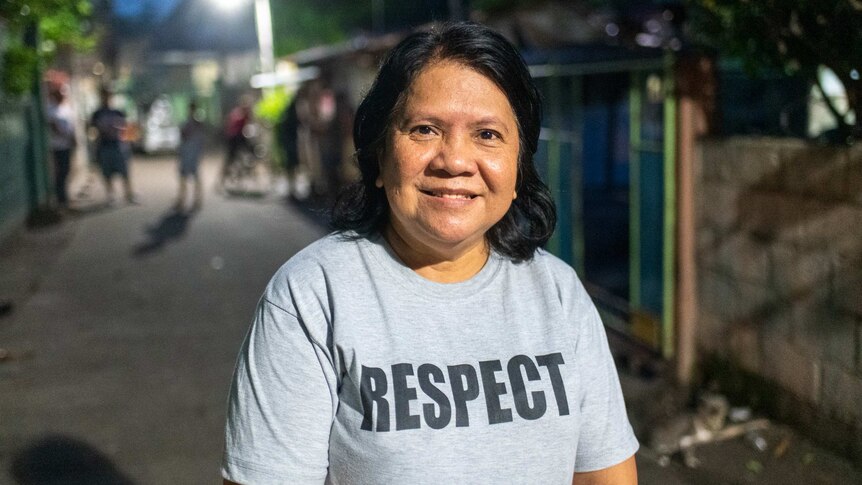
358	370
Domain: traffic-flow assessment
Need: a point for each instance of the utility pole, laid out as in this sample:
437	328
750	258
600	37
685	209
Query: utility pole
263	20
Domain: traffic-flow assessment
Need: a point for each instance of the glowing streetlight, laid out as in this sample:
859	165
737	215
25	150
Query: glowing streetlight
263	18
227	5
263	22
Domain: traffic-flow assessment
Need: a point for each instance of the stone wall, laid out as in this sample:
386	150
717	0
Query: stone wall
779	240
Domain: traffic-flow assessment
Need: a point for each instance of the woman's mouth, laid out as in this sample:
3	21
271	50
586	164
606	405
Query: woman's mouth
449	195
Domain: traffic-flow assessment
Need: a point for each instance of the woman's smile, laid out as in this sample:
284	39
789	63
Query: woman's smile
448	195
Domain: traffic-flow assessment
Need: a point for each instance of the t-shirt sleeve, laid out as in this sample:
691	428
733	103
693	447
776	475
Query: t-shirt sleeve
606	437
281	404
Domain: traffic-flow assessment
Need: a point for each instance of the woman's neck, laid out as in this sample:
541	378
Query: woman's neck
453	266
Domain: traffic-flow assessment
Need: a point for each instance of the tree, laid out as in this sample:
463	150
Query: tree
35	30
300	25
793	36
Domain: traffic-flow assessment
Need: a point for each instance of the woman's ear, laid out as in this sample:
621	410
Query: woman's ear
378	182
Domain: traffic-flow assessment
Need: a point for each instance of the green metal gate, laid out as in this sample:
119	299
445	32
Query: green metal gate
14	192
25	178
607	151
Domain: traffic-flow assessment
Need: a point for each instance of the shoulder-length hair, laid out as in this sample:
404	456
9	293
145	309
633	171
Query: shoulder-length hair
362	207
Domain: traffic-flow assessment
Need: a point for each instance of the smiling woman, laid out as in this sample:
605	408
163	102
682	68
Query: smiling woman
448	170
430	339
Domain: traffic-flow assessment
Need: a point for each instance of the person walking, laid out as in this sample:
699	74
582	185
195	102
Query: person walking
61	139
111	151
193	136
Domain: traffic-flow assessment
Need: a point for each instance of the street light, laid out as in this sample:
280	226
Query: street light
263	19
263	23
227	5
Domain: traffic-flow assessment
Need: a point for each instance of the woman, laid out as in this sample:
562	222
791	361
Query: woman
430	340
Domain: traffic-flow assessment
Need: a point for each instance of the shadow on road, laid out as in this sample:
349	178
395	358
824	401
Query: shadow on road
172	226
244	193
90	209
41	218
57	459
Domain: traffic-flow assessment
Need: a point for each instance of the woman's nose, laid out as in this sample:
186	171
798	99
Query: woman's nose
455	156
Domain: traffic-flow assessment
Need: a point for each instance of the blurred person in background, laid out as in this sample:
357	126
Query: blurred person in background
431	339
112	151
192	139
61	139
287	135
237	120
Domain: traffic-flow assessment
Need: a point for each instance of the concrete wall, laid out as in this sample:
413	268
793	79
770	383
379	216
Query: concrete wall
779	245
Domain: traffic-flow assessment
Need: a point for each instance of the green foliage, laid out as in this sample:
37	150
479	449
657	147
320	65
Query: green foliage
793	36
300	25
17	69
68	26
59	22
271	105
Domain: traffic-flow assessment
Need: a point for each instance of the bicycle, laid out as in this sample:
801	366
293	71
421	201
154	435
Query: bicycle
248	174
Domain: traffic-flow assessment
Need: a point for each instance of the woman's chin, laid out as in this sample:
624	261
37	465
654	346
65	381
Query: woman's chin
451	238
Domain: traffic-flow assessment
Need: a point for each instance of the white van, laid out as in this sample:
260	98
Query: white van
158	130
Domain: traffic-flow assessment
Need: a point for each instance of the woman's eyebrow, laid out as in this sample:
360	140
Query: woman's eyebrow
492	120
406	120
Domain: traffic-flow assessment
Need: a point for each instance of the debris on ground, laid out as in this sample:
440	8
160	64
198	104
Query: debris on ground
756	440
712	421
739	414
754	466
7	355
782	446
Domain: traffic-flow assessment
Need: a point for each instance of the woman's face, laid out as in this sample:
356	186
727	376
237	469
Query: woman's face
451	160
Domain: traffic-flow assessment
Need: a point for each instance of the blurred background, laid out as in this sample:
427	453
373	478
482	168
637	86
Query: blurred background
705	157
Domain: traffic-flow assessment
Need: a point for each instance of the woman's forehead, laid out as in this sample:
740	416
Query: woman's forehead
455	83
451	68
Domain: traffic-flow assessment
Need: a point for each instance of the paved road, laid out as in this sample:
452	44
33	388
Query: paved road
120	354
116	361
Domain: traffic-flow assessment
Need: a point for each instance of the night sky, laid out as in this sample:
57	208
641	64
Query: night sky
130	8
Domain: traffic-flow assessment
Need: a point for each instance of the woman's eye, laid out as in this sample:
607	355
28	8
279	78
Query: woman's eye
488	135
423	130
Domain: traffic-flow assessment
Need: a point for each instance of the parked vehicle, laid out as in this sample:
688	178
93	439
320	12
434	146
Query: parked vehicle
157	130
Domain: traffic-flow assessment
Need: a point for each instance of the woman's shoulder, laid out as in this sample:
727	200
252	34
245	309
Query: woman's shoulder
326	253
552	266
312	265
555	274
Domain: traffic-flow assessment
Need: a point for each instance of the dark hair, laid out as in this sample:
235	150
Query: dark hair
363	207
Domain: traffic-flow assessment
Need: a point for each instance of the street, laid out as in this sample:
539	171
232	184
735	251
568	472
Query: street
116	359
120	354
